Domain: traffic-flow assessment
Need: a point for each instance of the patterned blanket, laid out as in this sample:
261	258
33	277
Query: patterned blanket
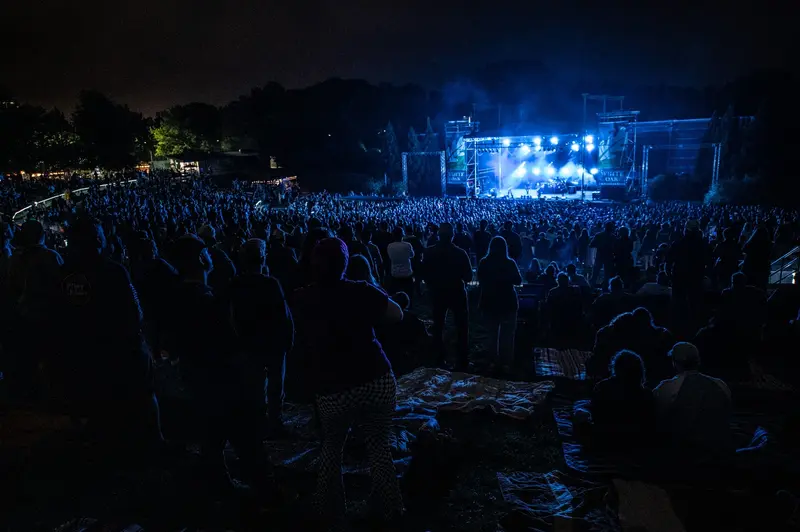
564	363
555	501
421	394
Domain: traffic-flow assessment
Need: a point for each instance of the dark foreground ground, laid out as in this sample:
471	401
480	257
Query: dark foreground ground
450	485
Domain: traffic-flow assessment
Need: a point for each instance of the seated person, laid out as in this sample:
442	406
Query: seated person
653	343
565	309
611	339
611	304
694	410
576	279
658	288
622	409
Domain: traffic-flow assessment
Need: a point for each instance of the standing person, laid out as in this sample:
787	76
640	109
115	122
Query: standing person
623	256
648	249
365	235
202	338
224	270
512	239
350	376
481	240
461	239
686	264
498	276
32	278
154	280
264	329
402	272
447	271
757	253
604	259
104	366
282	263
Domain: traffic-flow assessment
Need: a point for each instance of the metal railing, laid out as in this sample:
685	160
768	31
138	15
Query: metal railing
784	269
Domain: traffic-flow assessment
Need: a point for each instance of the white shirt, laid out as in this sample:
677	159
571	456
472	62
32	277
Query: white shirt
401	253
667	391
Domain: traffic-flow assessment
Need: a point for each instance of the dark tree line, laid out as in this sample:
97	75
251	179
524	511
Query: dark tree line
338	133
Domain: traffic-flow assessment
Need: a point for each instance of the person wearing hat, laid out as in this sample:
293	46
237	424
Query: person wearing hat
264	331
694	408
447	270
349	375
200	335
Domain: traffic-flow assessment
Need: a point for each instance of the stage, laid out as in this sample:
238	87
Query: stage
522	194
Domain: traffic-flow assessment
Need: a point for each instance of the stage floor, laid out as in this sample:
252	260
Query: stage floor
520	193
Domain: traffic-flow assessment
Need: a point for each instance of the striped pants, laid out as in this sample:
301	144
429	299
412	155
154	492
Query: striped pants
370	406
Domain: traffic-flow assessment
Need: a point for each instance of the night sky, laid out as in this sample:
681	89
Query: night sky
155	53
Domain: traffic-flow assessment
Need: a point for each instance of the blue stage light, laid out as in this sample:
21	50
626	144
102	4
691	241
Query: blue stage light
536	171
524	149
575	146
594	171
588	139
554	140
551	171
589	147
537	141
506	142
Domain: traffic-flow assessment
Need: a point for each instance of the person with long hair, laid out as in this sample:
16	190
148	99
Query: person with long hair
498	276
351	378
622	408
358	269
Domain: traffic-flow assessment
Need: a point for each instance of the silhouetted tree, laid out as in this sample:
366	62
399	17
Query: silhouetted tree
54	144
195	126
108	132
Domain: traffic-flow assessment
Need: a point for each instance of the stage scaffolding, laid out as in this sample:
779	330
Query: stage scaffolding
442	167
495	144
717	146
629	118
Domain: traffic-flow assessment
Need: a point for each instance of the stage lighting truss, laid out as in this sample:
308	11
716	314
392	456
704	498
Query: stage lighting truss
524	145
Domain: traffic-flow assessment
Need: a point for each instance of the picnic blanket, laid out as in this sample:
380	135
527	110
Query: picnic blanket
421	394
452	391
564	363
745	426
555	501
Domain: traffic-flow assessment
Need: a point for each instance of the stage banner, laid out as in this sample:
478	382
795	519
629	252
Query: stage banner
457	164
456	177
612	177
612	143
612	154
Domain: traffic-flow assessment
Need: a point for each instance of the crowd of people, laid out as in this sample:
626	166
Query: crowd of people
326	293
